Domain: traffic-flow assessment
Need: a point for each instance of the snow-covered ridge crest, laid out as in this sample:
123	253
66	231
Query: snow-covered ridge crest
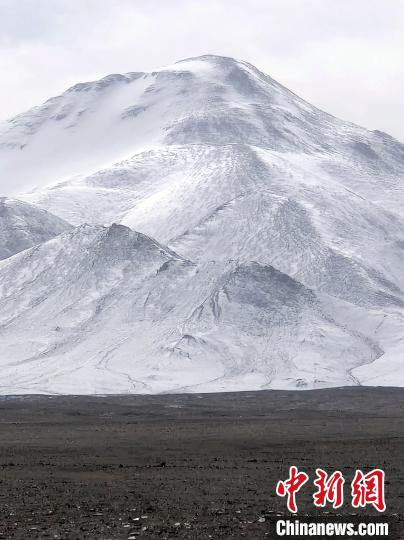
24	225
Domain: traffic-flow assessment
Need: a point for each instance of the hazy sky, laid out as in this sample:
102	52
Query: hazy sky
345	56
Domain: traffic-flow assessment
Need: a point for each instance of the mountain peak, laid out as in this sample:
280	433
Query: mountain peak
212	59
114	243
220	66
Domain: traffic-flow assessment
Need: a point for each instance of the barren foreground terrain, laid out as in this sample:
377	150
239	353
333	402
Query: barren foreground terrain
185	466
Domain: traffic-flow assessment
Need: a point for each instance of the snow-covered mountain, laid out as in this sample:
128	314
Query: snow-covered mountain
288	225
24	225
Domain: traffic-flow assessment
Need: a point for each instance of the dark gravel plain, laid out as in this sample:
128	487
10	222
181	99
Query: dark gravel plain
186	466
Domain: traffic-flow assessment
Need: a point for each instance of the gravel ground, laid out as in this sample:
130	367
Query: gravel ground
186	466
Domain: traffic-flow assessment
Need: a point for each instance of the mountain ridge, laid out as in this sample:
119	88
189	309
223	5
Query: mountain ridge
24	225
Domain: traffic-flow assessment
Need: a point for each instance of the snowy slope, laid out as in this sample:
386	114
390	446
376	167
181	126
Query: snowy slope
100	310
263	197
235	201
23	225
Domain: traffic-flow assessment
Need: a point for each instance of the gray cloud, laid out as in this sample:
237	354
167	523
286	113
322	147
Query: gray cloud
345	57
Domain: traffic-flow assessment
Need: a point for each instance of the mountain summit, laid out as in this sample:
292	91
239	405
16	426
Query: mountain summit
270	243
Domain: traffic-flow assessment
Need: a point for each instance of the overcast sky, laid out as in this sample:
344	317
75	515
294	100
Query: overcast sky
345	56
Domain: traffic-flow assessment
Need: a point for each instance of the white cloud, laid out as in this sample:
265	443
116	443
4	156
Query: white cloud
344	56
